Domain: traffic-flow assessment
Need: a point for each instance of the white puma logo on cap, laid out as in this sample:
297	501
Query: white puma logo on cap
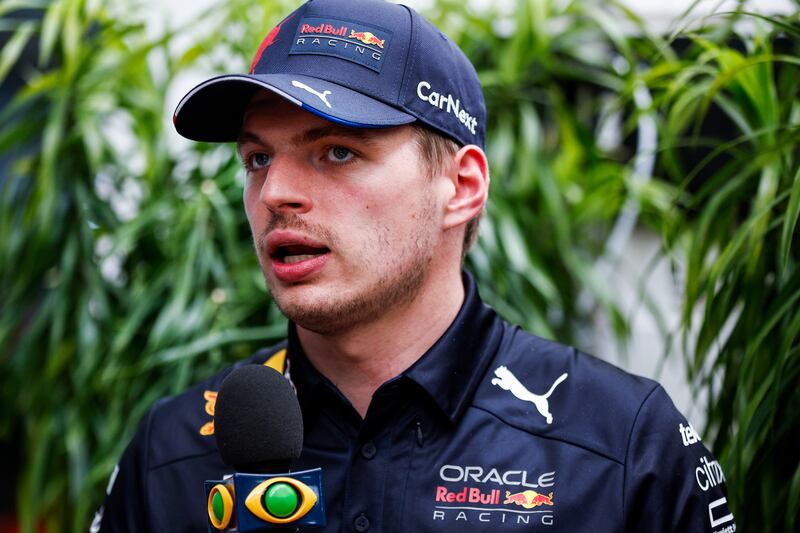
321	95
508	381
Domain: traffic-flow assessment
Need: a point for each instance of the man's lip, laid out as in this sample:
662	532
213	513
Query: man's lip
301	271
278	238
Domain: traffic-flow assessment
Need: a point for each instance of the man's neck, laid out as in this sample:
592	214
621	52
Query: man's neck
363	358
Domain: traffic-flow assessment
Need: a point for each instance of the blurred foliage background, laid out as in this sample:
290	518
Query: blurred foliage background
126	269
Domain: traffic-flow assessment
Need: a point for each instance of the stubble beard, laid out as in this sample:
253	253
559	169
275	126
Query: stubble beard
398	285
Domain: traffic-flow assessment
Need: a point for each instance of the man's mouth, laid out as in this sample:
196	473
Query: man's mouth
295	257
295	253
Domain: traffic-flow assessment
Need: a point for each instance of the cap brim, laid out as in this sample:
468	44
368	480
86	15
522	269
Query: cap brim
213	111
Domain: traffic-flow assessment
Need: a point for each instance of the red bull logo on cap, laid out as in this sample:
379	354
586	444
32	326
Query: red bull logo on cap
529	499
366	38
355	42
268	41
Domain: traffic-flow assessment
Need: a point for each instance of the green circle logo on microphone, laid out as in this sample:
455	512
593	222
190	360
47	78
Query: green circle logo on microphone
280	500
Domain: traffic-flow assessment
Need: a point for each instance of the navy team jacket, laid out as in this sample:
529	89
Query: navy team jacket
493	429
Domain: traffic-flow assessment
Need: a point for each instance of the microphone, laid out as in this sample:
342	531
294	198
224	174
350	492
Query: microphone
257	420
259	430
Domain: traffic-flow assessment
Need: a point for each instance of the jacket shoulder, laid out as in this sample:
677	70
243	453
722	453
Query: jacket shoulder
558	392
182	426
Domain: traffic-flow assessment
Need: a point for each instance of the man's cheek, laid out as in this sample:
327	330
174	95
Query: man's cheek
255	218
248	201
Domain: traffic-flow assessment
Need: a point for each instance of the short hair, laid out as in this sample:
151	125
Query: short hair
437	151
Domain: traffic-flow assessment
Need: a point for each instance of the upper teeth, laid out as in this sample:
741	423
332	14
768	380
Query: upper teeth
297	258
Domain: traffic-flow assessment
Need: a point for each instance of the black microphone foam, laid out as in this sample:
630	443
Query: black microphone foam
257	420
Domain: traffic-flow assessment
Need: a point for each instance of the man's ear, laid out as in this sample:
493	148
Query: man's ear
470	175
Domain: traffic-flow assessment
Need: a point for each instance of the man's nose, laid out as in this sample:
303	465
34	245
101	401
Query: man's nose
286	187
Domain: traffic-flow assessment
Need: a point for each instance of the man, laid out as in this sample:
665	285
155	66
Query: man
361	129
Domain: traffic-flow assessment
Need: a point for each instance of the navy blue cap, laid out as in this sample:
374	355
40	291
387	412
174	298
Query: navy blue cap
359	63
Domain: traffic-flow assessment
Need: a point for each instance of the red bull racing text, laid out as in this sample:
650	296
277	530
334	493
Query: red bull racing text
360	44
468	495
474	494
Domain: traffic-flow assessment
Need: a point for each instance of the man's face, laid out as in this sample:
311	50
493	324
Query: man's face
345	221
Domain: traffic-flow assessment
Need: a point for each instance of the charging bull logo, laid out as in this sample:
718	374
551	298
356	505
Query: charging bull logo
266	43
367	38
529	499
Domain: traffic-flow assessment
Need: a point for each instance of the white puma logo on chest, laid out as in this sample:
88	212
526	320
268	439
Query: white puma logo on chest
508	381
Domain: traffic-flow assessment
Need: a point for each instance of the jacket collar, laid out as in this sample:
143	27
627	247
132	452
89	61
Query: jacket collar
449	371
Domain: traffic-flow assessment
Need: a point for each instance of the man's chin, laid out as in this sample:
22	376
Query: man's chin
310	306
320	319
336	307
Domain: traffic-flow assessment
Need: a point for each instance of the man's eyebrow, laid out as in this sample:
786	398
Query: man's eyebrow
246	136
314	134
329	130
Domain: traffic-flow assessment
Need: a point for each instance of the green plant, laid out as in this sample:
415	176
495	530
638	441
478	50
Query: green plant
548	75
730	117
126	268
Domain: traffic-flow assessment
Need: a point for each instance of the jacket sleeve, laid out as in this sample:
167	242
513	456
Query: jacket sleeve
672	482
124	509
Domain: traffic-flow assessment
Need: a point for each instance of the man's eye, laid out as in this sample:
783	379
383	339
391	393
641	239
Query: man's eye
340	154
258	161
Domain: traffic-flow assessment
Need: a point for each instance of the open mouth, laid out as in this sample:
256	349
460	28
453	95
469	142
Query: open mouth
295	253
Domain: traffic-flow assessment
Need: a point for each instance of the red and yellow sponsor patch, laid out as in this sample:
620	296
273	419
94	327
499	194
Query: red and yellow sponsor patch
211	401
207	429
277	361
